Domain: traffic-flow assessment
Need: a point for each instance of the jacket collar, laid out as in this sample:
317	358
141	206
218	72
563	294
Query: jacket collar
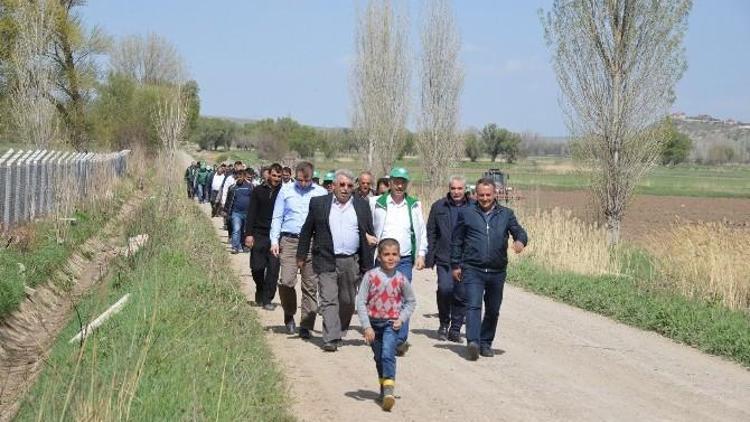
450	202
382	201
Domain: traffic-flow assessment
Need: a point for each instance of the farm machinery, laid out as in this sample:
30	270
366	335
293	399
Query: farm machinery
505	192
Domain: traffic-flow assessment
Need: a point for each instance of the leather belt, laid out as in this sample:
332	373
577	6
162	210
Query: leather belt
292	235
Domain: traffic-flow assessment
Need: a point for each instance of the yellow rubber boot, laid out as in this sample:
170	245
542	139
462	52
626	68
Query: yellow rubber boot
389	399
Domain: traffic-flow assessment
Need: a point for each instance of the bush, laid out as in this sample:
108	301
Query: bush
720	154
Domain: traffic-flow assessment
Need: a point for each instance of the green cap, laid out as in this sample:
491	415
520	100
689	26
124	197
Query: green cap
329	176
315	174
399	172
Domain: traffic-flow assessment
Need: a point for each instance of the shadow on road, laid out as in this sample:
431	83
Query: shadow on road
364	395
279	329
460	349
432	334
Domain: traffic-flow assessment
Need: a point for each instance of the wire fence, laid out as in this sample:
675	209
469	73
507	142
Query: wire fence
33	183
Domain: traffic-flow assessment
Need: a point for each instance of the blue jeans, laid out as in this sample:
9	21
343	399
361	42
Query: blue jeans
480	285
451	301
238	220
200	194
384	347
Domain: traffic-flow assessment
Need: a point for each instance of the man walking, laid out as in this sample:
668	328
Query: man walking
289	213
337	225
190	177
364	185
286	175
479	257
217	184
264	266
450	298
200	181
399	216
237	204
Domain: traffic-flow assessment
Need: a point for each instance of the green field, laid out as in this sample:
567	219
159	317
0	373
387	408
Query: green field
560	173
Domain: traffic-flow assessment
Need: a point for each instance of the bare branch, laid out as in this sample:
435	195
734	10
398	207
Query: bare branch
33	73
617	63
441	77
380	82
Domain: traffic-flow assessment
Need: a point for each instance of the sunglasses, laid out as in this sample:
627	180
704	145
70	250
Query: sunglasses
346	185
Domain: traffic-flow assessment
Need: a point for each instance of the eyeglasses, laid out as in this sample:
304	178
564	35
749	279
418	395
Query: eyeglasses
346	185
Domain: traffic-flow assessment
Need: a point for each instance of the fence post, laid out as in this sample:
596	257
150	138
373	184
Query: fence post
5	185
44	202
57	174
19	210
35	185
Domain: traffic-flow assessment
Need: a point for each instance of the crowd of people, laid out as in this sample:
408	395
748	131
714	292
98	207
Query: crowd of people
353	247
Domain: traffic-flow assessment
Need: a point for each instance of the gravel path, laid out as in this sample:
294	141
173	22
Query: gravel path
553	362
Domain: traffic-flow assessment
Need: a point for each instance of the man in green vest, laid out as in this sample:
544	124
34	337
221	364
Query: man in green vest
399	216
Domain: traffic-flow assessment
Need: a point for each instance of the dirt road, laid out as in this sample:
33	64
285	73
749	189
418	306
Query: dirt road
553	362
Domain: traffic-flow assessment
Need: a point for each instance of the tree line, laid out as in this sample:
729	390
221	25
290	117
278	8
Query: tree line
63	82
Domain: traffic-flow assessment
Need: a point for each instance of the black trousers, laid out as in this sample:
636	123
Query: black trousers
265	269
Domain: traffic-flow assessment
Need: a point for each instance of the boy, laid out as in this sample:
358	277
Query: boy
385	300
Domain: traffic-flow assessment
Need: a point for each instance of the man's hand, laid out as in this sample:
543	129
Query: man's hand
518	247
275	250
371	240
300	263
369	335
397	324
457	276
249	241
420	263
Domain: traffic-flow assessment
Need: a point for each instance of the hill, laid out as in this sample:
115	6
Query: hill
715	140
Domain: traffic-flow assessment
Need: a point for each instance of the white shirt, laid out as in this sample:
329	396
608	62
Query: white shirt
394	223
228	184
344	228
216	183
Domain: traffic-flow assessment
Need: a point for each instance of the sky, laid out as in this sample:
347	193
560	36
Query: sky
276	58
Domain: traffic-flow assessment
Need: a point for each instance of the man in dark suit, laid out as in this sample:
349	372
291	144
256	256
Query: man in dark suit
440	224
264	266
338	225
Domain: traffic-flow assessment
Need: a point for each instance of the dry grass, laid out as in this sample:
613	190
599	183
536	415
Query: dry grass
708	261
562	242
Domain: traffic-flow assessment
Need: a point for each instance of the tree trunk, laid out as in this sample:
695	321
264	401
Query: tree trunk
613	229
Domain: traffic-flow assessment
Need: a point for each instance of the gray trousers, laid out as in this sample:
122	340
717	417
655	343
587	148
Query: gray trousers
288	281
338	292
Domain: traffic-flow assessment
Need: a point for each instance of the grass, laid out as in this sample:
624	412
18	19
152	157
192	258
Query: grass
556	173
186	346
558	243
38	249
709	327
708	261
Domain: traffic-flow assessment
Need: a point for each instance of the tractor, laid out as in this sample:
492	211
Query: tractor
504	191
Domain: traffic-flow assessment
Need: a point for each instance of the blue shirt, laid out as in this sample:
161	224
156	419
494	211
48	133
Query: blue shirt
291	208
242	197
